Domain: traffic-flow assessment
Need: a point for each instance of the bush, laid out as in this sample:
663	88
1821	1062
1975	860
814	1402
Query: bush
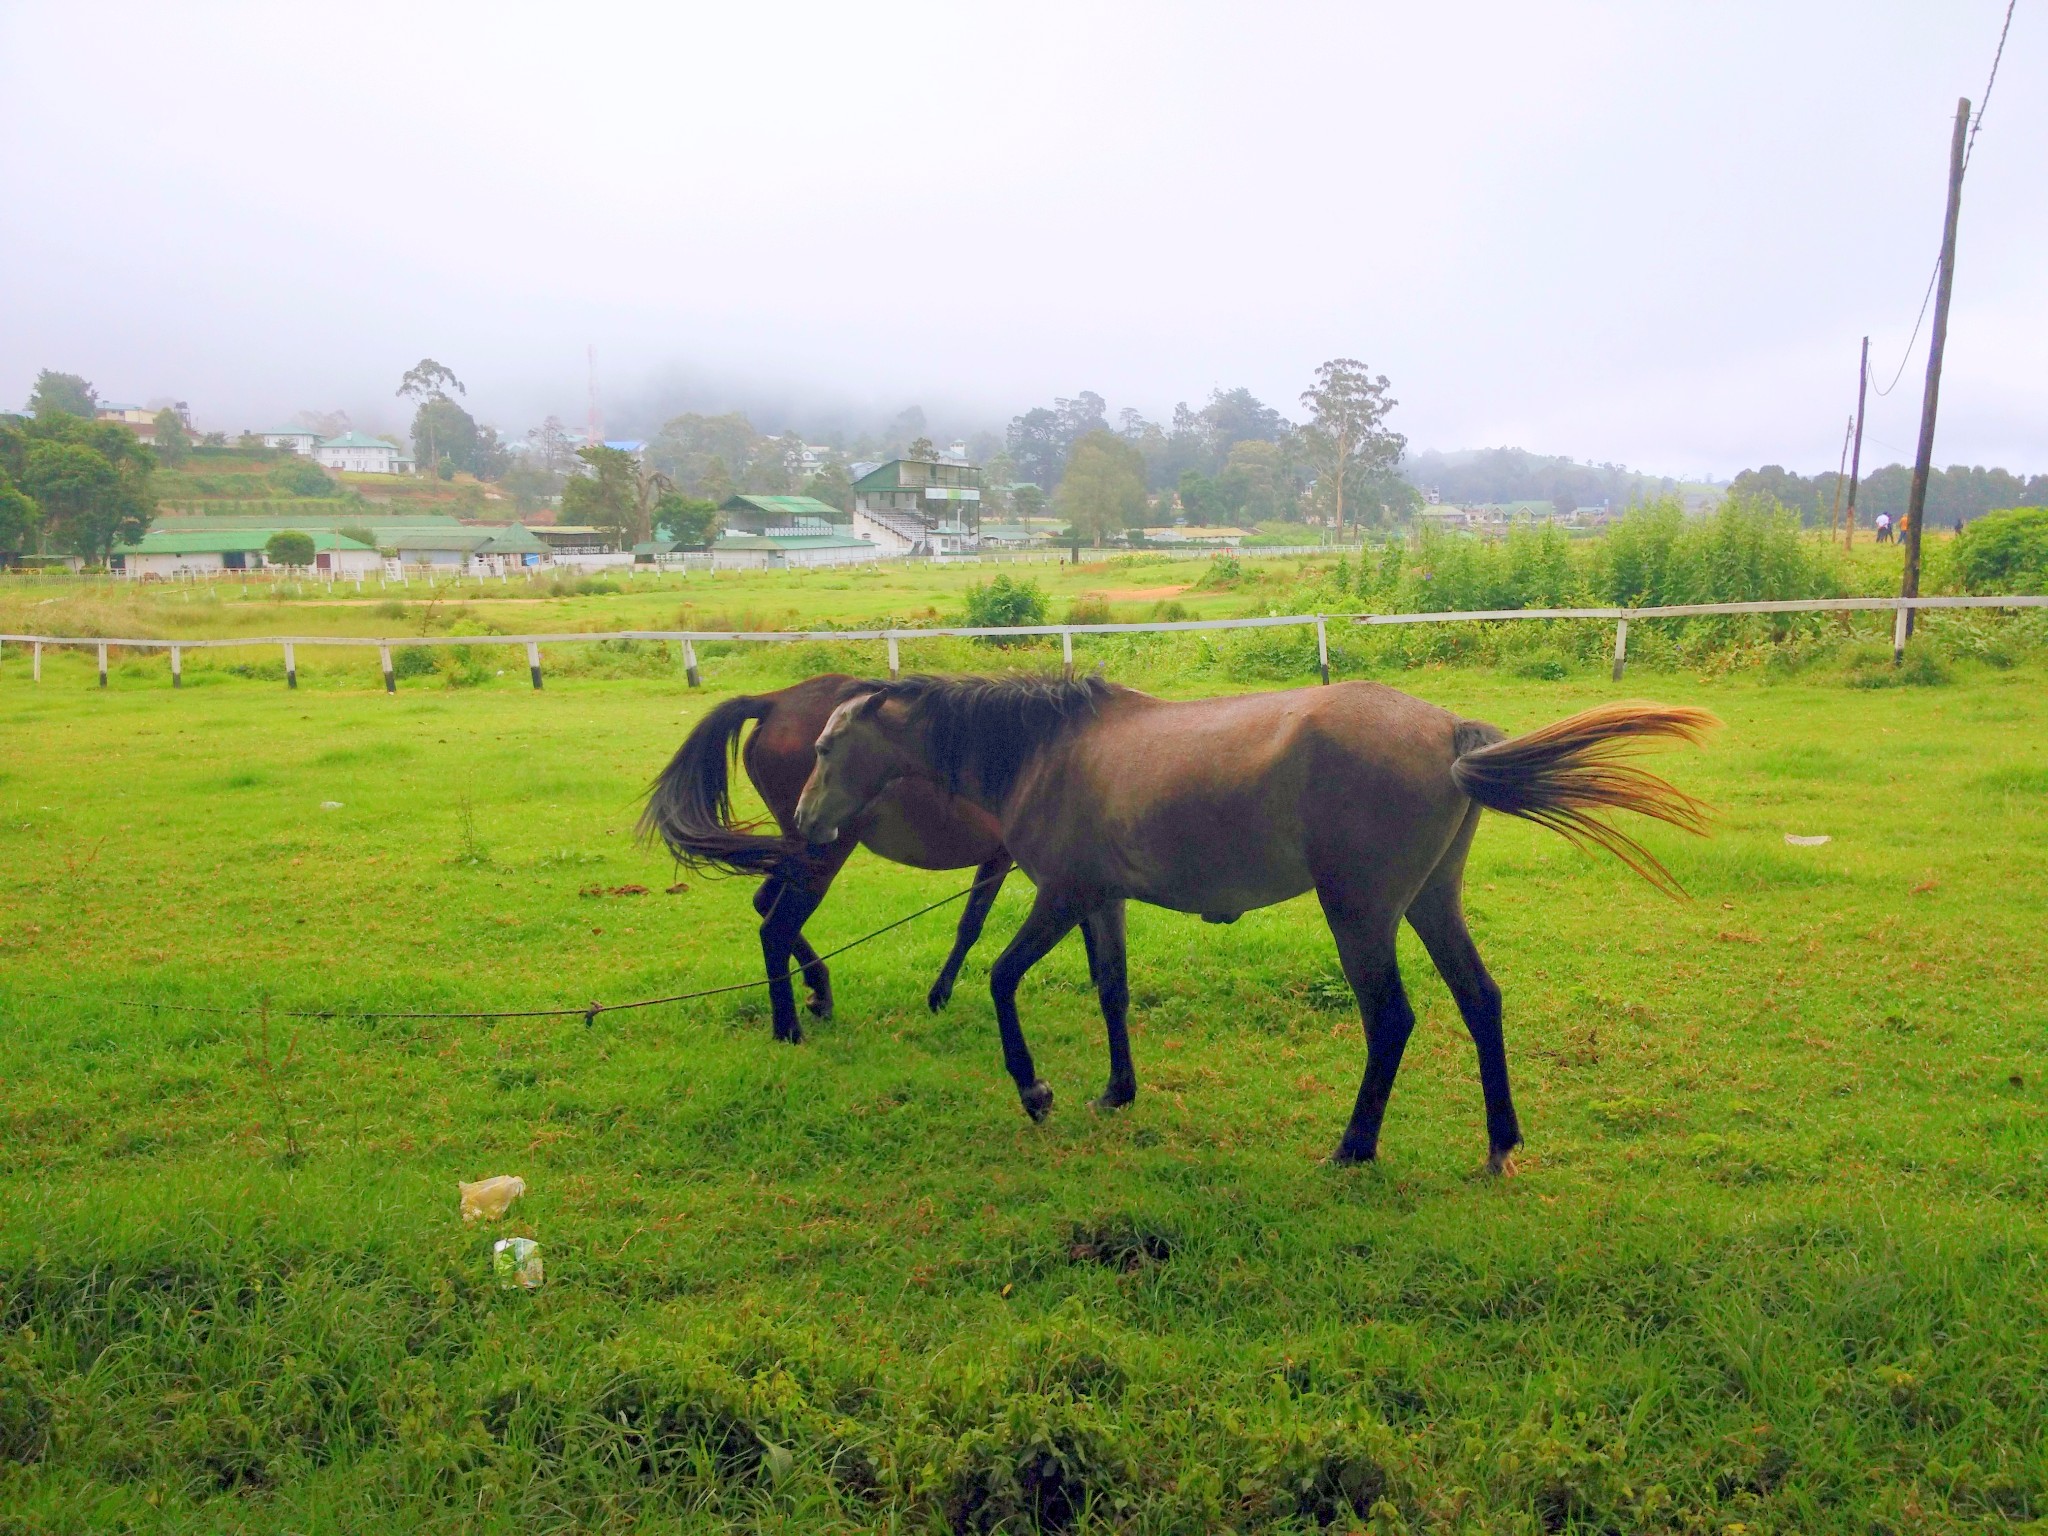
1090	608
2003	552
301	479
289	547
1004	603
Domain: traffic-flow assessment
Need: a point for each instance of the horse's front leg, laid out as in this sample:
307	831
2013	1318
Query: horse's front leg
1104	928
1050	919
988	883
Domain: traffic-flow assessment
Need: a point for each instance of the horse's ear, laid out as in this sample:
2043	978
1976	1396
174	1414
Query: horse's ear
864	705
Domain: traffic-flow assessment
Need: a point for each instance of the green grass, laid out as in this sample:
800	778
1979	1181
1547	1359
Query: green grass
1772	1261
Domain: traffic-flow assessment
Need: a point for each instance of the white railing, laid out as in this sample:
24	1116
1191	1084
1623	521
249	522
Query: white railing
690	639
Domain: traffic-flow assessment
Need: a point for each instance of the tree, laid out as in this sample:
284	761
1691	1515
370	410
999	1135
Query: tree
444	433
491	457
1005	603
1103	490
173	442
686	446
549	446
617	496
1346	437
923	451
65	392
690	520
92	480
20	519
1035	446
831	485
289	547
426	382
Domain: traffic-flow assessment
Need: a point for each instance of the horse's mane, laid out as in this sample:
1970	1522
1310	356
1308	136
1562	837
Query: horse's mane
987	728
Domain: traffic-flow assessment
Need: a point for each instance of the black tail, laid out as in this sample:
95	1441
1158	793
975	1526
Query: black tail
690	806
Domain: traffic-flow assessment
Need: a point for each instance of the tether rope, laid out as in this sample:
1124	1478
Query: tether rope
588	1012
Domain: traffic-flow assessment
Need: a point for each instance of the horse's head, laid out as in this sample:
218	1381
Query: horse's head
857	757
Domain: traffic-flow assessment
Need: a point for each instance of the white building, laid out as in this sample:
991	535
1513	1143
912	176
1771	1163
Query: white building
301	440
357	453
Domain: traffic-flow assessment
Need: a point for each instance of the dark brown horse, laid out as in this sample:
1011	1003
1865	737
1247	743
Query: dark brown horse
915	822
1362	794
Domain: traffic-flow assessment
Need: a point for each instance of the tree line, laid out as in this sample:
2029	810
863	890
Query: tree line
1956	494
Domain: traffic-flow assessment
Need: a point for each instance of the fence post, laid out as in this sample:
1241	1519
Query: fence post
1323	647
177	669
384	660
895	661
1620	648
690	673
533	662
1899	632
291	667
36	662
103	663
1067	654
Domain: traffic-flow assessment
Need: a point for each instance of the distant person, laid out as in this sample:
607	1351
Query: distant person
1959	527
1884	527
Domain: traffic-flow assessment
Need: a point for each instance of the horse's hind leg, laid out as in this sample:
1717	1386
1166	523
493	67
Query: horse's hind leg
1365	945
1438	917
988	884
1047	924
785	905
1104	928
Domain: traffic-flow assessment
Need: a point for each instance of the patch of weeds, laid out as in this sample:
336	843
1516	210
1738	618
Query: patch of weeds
565	858
1330	993
470	852
1120	1242
1542	666
1870	666
412	661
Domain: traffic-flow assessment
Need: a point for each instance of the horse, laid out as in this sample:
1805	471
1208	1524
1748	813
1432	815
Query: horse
915	822
1361	793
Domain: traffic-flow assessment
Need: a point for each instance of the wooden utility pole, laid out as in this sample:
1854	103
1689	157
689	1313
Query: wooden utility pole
1916	504
1856	455
1835	507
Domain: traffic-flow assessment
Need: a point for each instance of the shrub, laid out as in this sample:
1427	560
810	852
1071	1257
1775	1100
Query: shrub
2003	552
1090	608
289	547
300	478
1005	602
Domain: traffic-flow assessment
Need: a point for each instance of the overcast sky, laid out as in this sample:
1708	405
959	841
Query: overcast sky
1642	232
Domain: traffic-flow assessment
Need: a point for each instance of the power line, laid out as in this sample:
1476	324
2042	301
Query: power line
1983	102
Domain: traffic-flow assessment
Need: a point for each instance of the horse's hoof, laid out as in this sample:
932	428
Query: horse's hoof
1037	1101
1114	1099
794	1035
1348	1157
940	995
820	1007
1502	1163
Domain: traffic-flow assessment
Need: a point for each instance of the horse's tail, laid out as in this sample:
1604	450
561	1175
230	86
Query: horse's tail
1560	775
690	806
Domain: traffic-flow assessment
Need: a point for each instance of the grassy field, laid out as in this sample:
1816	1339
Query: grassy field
1772	1261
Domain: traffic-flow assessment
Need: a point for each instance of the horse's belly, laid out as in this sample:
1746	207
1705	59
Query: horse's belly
1219	882
920	825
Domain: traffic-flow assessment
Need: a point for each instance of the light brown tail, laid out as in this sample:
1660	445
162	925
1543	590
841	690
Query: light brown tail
1559	775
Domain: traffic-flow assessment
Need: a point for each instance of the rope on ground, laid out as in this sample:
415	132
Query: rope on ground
588	1012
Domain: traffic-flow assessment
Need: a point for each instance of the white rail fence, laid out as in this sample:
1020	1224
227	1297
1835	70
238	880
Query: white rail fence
690	639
